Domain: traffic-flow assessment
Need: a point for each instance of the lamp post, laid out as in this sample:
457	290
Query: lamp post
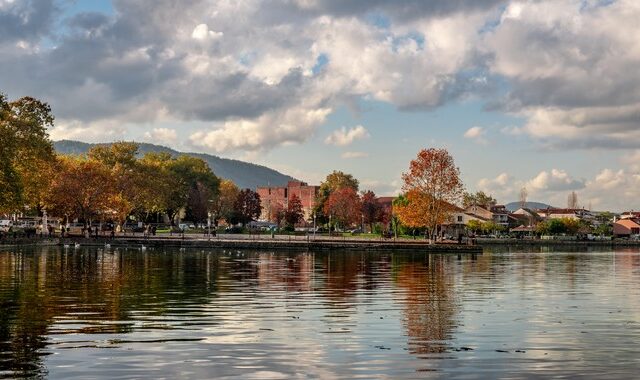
314	226
209	224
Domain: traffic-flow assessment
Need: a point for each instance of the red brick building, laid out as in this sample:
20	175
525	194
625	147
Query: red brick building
272	197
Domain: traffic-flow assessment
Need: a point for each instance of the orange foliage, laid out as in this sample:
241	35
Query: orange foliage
82	189
344	206
433	186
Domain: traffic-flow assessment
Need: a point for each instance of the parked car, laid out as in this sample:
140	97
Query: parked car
5	225
74	228
132	227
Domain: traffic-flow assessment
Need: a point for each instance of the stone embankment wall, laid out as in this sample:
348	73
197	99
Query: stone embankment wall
262	244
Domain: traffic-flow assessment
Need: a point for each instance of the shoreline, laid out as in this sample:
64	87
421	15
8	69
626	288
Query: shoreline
285	242
318	244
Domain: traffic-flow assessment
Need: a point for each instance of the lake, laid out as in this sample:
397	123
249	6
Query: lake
94	313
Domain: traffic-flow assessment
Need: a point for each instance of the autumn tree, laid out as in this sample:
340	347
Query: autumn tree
223	207
480	198
294	213
343	206
82	189
26	153
247	206
335	181
133	184
432	186
276	212
372	211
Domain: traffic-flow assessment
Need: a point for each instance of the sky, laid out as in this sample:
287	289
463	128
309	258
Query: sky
538	94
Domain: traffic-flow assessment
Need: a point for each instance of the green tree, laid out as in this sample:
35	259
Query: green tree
474	226
190	174
490	227
396	224
604	229
26	153
479	198
555	227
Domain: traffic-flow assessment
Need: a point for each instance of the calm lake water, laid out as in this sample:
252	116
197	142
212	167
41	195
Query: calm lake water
88	313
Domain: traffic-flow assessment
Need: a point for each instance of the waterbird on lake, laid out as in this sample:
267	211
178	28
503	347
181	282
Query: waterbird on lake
107	245
143	248
76	245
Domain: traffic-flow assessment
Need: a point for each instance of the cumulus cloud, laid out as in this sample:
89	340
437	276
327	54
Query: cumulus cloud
202	32
354	155
609	189
161	136
502	187
566	67
245	65
100	132
382	188
550	186
263	132
554	180
344	136
477	134
567	64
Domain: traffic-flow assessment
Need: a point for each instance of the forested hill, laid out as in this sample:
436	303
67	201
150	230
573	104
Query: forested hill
243	174
513	206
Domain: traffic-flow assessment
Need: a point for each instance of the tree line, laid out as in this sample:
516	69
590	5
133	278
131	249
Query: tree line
111	182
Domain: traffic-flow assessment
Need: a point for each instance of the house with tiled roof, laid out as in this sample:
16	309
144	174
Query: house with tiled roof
626	227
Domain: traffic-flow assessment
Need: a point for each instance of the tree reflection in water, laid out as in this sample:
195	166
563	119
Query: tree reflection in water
49	295
430	304
55	291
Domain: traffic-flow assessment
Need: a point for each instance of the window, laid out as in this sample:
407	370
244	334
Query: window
285	192
460	218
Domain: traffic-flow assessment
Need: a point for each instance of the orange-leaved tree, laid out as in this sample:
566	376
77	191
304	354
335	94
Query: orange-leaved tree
344	206
432	187
82	189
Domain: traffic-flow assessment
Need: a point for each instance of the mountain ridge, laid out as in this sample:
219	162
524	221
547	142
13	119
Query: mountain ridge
513	206
243	174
